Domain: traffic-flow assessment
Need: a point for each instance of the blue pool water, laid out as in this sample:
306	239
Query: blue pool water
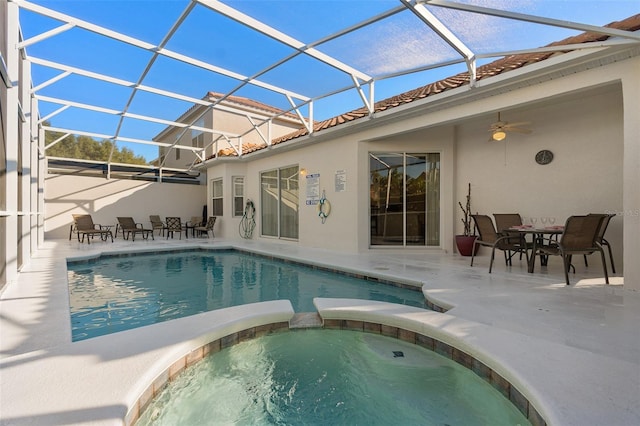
329	377
113	294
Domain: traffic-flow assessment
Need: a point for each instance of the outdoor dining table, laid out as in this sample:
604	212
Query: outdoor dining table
538	239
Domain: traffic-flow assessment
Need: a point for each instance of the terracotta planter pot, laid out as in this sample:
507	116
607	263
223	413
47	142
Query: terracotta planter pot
464	243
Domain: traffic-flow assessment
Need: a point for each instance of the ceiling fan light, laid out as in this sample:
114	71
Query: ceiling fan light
499	135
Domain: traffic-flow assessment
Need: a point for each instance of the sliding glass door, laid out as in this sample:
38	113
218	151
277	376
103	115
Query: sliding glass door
404	199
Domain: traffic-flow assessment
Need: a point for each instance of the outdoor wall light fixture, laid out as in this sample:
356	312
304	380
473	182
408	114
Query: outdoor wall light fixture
498	135
303	172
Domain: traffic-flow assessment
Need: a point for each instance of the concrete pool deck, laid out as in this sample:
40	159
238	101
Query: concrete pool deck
576	348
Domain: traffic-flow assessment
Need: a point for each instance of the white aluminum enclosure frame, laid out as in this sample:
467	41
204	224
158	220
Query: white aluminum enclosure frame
362	83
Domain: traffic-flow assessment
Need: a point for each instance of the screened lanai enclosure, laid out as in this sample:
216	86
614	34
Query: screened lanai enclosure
160	92
122	72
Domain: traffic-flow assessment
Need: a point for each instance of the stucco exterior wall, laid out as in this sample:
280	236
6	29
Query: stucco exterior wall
235	123
325	159
227	225
346	229
106	199
586	136
584	129
184	138
587	119
239	123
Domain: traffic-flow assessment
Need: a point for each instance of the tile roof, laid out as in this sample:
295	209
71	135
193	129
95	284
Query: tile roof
494	68
247	148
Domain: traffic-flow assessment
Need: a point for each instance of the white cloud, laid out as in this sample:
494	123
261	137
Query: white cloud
404	42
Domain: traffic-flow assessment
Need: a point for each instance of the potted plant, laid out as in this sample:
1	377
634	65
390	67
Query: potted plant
464	242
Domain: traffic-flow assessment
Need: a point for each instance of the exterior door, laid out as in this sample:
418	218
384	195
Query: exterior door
404	199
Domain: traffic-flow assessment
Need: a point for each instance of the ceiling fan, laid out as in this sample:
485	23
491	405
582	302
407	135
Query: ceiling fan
500	128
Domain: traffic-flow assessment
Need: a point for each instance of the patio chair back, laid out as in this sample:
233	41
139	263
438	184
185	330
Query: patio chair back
126	223
156	222
579	237
485	228
84	222
210	223
174	224
581	233
196	221
507	220
490	237
603	241
604	225
510	245
208	227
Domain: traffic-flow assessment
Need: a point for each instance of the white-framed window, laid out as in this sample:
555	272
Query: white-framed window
238	195
279	202
216	197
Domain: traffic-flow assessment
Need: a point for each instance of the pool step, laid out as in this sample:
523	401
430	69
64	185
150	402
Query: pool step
306	320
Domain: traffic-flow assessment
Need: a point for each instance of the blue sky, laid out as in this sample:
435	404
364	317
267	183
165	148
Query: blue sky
398	43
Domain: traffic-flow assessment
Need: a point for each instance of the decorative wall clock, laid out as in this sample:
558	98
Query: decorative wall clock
544	157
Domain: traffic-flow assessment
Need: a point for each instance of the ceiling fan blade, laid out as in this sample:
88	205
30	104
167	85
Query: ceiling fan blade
517	130
505	126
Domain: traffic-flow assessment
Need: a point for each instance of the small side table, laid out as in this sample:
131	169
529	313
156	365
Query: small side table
104	236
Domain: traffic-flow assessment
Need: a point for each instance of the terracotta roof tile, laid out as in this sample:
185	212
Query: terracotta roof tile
246	149
494	68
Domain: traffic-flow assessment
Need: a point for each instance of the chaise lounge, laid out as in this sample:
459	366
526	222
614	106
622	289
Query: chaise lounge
84	226
157	224
130	227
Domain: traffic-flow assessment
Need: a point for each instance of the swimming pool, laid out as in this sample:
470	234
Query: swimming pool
329	377
116	293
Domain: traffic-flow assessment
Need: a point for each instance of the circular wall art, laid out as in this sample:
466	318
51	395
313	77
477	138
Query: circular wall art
544	157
